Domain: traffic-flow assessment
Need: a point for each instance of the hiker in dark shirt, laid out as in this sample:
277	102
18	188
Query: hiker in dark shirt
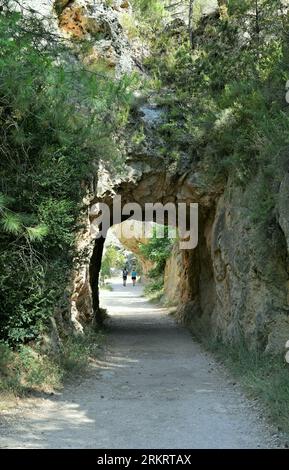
124	275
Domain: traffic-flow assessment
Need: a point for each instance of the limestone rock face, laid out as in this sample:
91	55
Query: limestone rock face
173	278
235	283
42	7
179	10
100	23
250	277
240	277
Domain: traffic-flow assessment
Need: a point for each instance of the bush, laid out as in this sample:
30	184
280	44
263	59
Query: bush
157	250
75	356
56	122
78	351
154	286
225	97
5	358
112	258
27	368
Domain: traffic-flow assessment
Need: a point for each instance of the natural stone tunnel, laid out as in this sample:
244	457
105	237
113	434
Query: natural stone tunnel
160	188
220	285
143	184
190	273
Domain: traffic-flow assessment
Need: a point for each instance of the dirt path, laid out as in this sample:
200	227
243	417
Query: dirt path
155	389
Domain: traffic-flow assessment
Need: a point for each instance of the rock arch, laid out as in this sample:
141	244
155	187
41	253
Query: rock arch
142	184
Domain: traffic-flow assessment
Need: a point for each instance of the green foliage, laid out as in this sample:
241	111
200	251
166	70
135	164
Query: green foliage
154	288
148	16
129	25
5	357
16	224
112	258
36	370
56	121
225	97
151	8
79	350
29	368
158	249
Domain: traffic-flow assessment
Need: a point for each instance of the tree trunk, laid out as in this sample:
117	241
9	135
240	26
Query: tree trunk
191	9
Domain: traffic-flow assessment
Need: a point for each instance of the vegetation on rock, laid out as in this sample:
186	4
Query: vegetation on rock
113	258
220	78
157	250
225	95
57	120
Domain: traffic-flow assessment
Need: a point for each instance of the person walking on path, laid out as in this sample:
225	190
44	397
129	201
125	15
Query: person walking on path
124	275
133	277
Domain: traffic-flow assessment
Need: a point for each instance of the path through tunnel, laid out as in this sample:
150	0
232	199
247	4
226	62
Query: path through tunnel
193	286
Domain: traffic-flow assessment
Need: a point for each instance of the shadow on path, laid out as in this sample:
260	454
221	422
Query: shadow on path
154	388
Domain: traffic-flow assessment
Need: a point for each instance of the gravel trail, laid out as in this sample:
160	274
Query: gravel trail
154	388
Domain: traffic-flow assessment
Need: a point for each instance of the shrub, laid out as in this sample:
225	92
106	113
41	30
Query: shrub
225	97
27	368
5	357
157	250
56	122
